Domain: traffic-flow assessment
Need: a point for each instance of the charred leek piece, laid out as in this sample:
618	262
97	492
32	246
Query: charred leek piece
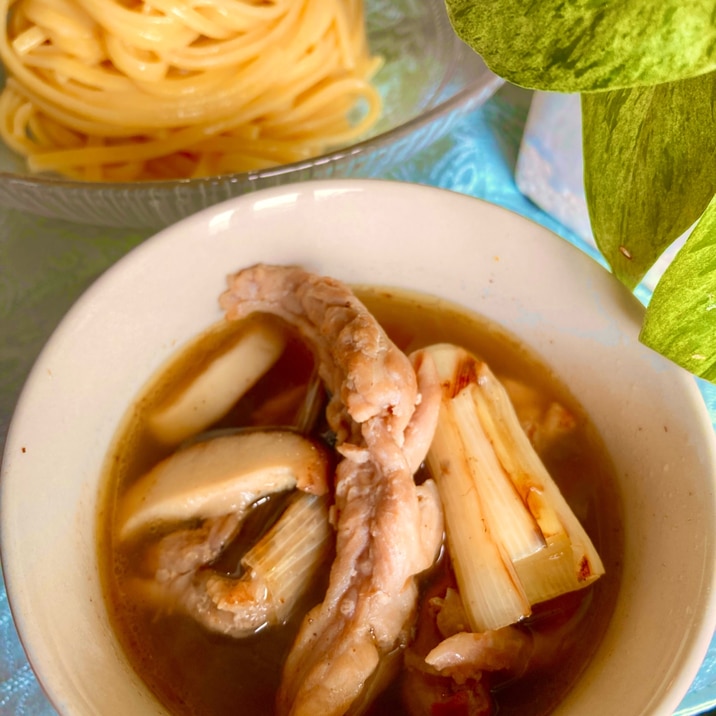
570	560
513	539
487	580
215	389
280	567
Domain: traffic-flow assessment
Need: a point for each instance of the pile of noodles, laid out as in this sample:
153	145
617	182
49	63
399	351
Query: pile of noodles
121	90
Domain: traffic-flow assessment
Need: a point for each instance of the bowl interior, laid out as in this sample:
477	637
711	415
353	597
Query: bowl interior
428	80
563	305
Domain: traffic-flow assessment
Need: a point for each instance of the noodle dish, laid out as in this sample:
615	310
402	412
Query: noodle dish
139	113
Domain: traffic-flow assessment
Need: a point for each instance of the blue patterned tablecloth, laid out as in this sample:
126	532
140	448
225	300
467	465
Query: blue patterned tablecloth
46	264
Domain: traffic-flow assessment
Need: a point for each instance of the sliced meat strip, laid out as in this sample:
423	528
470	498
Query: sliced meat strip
388	530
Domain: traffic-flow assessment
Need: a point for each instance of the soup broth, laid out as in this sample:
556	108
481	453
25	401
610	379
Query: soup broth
192	671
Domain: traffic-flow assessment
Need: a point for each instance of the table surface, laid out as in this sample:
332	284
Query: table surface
46	264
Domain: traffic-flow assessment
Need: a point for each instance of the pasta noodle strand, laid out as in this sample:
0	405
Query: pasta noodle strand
127	90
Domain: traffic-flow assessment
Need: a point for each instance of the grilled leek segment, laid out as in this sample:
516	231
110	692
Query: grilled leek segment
279	567
513	538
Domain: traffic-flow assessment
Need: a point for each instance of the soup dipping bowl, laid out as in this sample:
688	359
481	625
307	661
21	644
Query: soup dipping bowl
561	304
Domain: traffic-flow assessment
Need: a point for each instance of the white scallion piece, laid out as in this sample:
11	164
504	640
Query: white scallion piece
215	389
513	538
570	560
287	557
487	581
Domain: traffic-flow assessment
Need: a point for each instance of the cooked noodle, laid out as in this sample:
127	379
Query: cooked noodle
115	90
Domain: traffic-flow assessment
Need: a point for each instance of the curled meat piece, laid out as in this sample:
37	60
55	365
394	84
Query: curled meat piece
206	491
276	571
383	409
185	550
455	659
424	690
466	655
463	654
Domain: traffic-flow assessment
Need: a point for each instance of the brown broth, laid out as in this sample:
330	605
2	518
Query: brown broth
192	671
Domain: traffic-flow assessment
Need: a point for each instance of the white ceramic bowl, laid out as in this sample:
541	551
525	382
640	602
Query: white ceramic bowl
561	303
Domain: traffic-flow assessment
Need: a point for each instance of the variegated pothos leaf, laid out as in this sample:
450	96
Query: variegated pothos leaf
588	45
649	168
680	320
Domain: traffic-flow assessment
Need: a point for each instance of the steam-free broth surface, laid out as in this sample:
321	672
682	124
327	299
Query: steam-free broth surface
192	671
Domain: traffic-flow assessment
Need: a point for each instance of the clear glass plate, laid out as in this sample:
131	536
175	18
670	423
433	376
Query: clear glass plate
429	80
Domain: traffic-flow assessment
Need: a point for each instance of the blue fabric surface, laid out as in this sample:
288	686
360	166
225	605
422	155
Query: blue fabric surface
477	159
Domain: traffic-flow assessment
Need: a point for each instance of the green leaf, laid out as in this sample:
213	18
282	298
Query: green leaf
680	321
587	45
649	168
